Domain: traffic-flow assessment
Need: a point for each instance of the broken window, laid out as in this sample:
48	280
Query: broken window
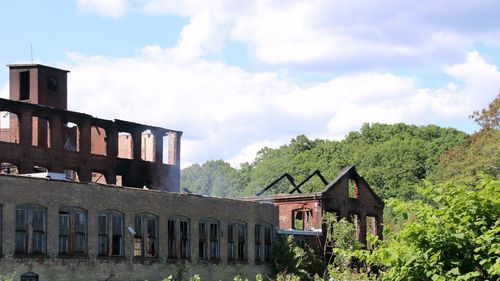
9	127
125	145
98	140
148	146
353	189
263	235
208	239
72	231
302	219
237	236
178	237
146	233
110	234
29	276
24	85
71	137
30	230
40	132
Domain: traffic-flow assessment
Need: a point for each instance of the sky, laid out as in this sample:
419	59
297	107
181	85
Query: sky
236	76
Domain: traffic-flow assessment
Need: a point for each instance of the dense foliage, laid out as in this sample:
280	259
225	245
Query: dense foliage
392	158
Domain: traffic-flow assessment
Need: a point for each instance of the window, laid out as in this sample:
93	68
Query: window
258	246
146	236
29	276
52	83
72	231
110	234
208	239
24	85
302	219
178	231
30	230
263	233
236	241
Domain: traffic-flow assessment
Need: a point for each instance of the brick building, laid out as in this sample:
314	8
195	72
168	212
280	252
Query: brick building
79	223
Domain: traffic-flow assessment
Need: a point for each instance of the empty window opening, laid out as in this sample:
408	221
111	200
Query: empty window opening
8	169
355	221
236	241
208	235
146	233
97	140
72	231
52	83
9	127
118	180
71	175
29	276
258	242
30	230
165	149
98	178
125	145
268	241
371	227
24	85
353	189
110	234
71	137
148	146
40	132
302	219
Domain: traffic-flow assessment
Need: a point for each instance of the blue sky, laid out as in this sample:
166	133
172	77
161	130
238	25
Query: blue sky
239	75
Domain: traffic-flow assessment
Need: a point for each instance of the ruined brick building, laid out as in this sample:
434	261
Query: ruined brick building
109	206
79	223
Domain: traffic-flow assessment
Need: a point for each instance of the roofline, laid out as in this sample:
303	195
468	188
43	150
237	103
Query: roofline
31	65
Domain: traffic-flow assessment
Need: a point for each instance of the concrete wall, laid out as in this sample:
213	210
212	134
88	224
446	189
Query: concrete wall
95	198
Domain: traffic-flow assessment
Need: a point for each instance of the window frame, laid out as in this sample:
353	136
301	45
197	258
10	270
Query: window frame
237	241
179	237
74	229
109	234
29	232
211	239
143	247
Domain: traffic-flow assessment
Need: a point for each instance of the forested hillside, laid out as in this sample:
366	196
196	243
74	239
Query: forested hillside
392	158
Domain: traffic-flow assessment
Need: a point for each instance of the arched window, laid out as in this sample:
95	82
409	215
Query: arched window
236	241
30	229
110	233
72	231
209	237
29	276
179	233
146	236
263	242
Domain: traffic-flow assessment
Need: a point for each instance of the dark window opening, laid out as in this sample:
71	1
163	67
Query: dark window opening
29	276
237	236
24	85
52	83
258	247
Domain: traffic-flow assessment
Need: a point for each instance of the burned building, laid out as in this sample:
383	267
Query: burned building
108	205
347	196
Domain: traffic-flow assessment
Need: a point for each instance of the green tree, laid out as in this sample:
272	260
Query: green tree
453	233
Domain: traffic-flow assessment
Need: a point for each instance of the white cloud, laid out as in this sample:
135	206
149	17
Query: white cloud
226	112
108	8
